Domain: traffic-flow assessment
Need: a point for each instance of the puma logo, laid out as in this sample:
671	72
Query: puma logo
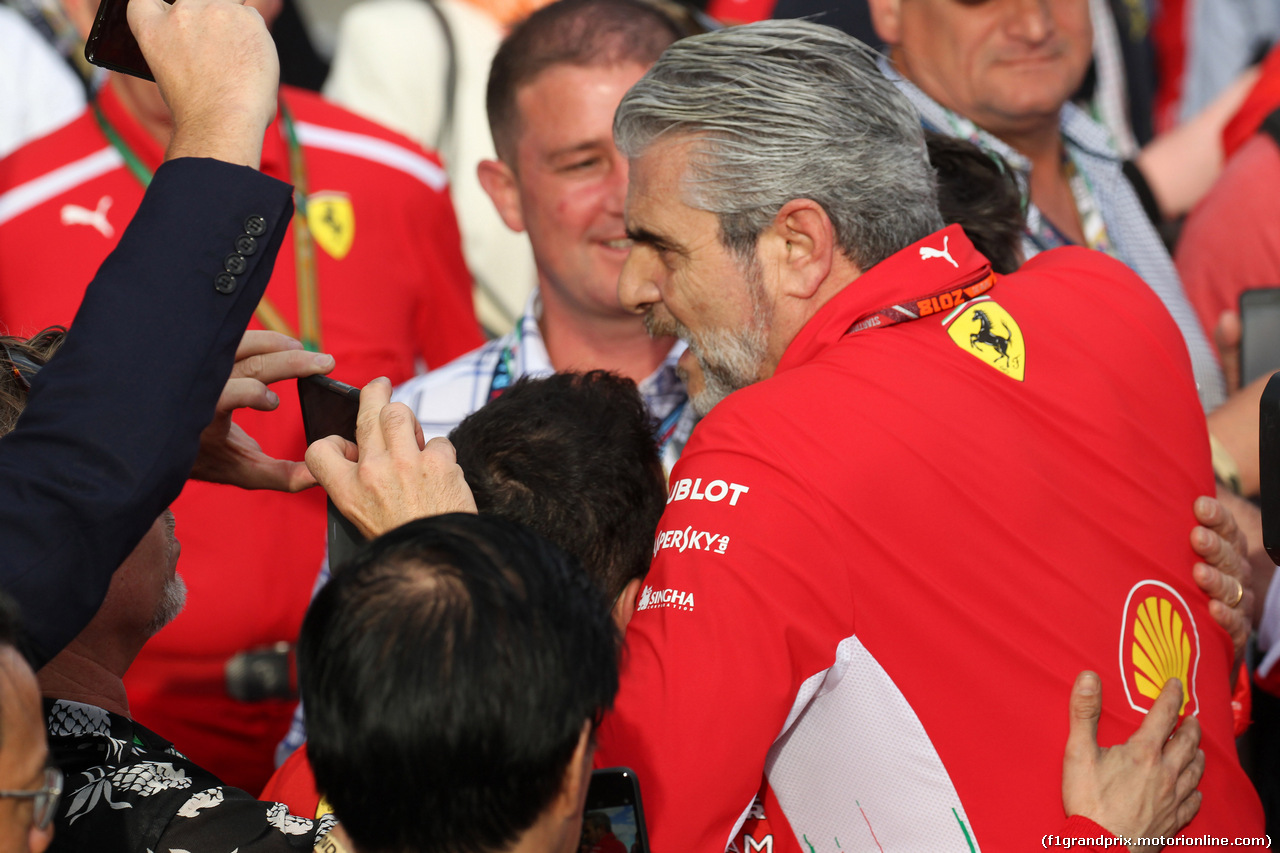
926	253
74	214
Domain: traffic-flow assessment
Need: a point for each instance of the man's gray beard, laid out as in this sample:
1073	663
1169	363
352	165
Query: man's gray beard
738	356
730	358
170	605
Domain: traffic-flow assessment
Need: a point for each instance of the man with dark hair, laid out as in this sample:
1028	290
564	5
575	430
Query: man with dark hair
555	83
480	739
572	456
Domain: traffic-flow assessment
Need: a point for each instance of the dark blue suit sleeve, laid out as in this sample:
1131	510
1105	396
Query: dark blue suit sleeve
112	425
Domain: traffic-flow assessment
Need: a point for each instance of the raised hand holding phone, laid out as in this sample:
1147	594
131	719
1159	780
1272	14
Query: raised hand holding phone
215	64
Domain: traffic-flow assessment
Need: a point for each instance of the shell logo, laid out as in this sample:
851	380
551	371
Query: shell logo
1158	641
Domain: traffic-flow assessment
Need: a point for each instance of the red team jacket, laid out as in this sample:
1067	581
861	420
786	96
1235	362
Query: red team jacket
880	571
393	289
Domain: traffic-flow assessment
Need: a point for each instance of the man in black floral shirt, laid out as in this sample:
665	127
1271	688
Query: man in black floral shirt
127	789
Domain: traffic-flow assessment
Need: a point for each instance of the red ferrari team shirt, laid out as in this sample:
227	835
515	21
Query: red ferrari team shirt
393	289
880	571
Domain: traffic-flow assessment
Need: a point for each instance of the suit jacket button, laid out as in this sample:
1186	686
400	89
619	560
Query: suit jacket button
225	282
235	264
255	226
246	245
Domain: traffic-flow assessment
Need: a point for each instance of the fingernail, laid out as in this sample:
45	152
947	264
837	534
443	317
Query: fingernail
272	399
324	360
1202	537
1086	684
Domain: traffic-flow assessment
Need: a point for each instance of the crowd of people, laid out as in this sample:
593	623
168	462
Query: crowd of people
849	440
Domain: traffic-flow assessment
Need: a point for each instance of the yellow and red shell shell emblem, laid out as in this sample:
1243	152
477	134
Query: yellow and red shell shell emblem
1158	641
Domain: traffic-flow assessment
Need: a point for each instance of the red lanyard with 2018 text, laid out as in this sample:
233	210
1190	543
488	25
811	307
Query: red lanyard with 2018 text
923	306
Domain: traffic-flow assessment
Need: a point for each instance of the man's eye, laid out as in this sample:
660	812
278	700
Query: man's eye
579	165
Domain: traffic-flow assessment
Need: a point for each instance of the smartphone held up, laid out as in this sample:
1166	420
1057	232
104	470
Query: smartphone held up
329	407
111	43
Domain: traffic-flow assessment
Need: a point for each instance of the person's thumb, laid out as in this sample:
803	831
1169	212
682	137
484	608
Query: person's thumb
1085	710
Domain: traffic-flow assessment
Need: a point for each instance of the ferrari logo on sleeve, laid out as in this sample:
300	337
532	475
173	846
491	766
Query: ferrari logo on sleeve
332	220
990	334
1158	641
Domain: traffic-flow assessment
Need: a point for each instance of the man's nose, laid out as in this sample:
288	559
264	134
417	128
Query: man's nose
637	289
1031	21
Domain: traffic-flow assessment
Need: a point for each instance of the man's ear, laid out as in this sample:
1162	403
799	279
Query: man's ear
625	607
800	245
499	183
885	17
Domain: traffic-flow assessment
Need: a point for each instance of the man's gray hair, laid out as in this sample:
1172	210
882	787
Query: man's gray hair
785	110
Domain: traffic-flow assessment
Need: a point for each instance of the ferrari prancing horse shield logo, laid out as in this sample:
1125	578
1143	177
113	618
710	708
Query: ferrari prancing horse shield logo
332	220
990	334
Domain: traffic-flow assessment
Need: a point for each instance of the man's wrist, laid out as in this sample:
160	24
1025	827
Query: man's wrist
233	141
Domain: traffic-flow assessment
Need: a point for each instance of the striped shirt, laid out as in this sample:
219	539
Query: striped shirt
443	397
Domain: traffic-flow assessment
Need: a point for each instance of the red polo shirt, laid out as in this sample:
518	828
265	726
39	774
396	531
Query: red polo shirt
880	570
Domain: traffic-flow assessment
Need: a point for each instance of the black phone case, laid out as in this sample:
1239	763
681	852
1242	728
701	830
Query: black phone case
619	786
1269	467
330	407
111	43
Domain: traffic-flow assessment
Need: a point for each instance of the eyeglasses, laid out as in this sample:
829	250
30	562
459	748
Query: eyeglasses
46	798
20	366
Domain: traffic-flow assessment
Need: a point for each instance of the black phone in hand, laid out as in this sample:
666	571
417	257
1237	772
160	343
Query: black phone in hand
330	407
111	43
